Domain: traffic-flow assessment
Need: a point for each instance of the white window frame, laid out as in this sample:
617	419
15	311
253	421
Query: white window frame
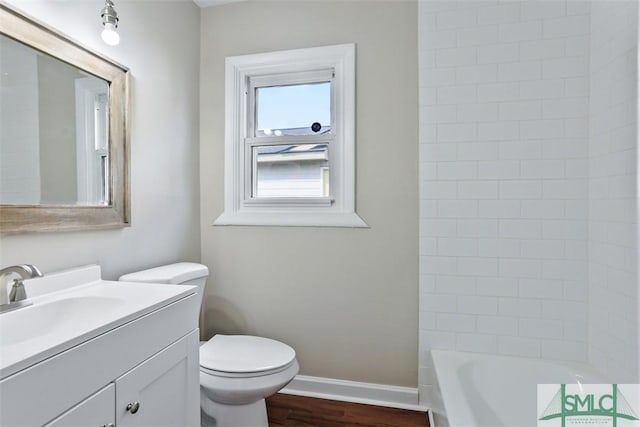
241	75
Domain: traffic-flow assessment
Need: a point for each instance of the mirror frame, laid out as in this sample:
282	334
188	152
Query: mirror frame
47	218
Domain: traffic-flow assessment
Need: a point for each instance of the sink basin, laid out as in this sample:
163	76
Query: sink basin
33	322
80	307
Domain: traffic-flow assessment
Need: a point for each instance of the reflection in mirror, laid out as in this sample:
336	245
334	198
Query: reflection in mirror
53	130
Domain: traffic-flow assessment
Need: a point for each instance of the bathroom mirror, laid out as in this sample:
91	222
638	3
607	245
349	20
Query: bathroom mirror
63	131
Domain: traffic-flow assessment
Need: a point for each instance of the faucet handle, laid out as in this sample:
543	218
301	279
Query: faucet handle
18	292
33	270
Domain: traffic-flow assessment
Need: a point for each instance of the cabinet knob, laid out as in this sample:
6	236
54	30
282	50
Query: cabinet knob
133	407
109	425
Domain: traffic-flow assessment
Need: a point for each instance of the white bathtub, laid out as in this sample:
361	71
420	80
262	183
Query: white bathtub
492	391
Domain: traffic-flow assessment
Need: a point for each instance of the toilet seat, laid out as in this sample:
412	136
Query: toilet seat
244	356
246	374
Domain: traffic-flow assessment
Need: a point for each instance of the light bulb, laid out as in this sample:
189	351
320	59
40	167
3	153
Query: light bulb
110	35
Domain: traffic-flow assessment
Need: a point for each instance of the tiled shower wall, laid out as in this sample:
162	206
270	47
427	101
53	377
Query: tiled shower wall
20	148
613	275
504	106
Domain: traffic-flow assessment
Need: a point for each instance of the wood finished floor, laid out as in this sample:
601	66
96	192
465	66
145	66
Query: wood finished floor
288	410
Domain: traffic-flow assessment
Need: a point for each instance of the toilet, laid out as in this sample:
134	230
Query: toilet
237	372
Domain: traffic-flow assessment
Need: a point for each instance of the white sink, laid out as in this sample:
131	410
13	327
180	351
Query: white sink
33	322
74	313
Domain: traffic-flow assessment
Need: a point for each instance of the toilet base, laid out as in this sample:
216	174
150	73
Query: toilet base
215	414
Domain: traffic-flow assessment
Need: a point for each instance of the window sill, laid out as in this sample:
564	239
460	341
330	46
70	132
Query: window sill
351	220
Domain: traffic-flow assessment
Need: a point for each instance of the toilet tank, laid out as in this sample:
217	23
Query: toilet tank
182	273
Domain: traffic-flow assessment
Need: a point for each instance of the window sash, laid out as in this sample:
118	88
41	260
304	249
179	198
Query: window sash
251	140
286	79
250	175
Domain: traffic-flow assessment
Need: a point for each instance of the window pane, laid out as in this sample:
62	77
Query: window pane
291	170
293	110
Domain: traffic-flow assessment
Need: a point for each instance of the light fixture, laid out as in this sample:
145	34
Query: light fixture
110	22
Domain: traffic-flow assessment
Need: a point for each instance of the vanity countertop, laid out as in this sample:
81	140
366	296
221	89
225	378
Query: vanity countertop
80	306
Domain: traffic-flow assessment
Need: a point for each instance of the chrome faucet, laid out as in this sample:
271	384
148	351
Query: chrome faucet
17	293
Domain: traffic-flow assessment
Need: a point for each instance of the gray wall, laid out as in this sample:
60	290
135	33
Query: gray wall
345	299
164	63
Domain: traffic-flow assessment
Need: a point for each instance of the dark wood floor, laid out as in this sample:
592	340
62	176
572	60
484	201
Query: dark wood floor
288	410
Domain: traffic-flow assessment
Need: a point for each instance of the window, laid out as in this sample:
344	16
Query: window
290	138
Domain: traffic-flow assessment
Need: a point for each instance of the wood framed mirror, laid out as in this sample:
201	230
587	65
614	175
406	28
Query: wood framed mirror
63	152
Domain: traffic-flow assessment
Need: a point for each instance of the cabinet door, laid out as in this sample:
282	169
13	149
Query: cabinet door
95	411
164	390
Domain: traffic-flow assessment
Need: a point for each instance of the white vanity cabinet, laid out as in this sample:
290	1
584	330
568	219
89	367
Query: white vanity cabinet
161	391
141	370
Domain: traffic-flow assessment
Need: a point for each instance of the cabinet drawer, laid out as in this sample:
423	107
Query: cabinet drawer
95	411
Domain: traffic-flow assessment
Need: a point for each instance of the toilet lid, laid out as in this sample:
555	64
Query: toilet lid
244	353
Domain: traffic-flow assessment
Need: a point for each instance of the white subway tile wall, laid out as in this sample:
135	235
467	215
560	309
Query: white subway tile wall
504	160
613	276
20	148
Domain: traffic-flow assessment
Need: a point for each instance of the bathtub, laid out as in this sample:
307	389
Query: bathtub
492	391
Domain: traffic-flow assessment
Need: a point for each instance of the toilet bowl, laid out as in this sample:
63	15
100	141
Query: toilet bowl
237	372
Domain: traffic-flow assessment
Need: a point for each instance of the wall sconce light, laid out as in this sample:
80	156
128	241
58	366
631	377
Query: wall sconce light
110	22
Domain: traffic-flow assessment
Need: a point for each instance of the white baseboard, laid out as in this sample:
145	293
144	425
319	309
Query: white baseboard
356	392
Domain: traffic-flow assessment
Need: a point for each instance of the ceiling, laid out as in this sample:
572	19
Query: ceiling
207	3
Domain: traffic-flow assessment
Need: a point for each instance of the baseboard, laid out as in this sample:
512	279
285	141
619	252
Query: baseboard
356	392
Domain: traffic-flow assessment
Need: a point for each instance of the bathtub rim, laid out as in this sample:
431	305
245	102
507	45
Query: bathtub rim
451	389
446	362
